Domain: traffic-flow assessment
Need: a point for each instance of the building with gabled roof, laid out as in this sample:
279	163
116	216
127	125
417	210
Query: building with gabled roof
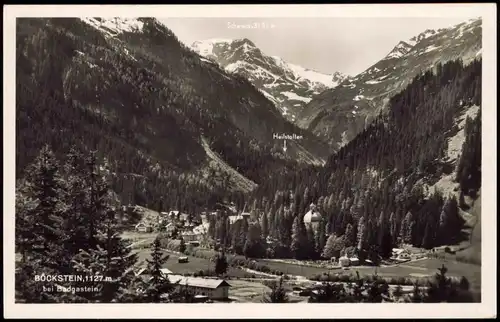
215	289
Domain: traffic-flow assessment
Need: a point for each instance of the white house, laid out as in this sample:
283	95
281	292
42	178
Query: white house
400	254
143	228
189	236
344	261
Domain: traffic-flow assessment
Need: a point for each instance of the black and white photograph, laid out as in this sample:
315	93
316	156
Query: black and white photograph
166	158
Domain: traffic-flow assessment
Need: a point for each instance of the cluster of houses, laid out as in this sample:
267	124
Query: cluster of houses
203	289
398	254
192	230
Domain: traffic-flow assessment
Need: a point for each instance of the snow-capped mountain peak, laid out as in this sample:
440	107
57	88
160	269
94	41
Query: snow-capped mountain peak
115	26
401	49
358	100
288	86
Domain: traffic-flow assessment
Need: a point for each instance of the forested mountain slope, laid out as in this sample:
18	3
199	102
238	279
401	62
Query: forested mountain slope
339	114
372	193
129	89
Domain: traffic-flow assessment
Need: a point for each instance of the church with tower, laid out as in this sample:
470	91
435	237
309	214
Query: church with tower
312	217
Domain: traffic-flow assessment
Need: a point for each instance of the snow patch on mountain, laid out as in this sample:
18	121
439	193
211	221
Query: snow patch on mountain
431	48
115	26
269	96
302	73
293	96
206	47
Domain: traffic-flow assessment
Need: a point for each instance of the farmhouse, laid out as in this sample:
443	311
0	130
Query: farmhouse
169	228
215	289
201	229
235	218
176	215
144	272
400	254
189	236
143	228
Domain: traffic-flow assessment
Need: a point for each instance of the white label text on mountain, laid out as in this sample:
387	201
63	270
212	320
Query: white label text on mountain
284	136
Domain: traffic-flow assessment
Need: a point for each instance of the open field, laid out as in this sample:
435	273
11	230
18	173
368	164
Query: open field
139	240
246	291
194	265
293	269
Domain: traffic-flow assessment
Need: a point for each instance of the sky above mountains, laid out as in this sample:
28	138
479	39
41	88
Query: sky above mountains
348	45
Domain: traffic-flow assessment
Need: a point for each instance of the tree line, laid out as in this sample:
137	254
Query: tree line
68	223
439	289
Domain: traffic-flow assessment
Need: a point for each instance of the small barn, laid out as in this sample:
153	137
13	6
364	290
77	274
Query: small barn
183	259
354	261
143	228
344	261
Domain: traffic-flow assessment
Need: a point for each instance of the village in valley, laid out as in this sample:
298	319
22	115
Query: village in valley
191	252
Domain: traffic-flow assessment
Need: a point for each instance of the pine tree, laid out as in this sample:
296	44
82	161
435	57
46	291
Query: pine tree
76	221
221	265
450	221
416	295
277	294
116	262
397	293
299	239
40	234
182	245
254	245
265	225
334	246
394	228
407	229
349	236
320	239
159	284
361	238
25	216
47	188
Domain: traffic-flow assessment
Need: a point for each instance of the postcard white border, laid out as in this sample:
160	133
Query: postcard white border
487	308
